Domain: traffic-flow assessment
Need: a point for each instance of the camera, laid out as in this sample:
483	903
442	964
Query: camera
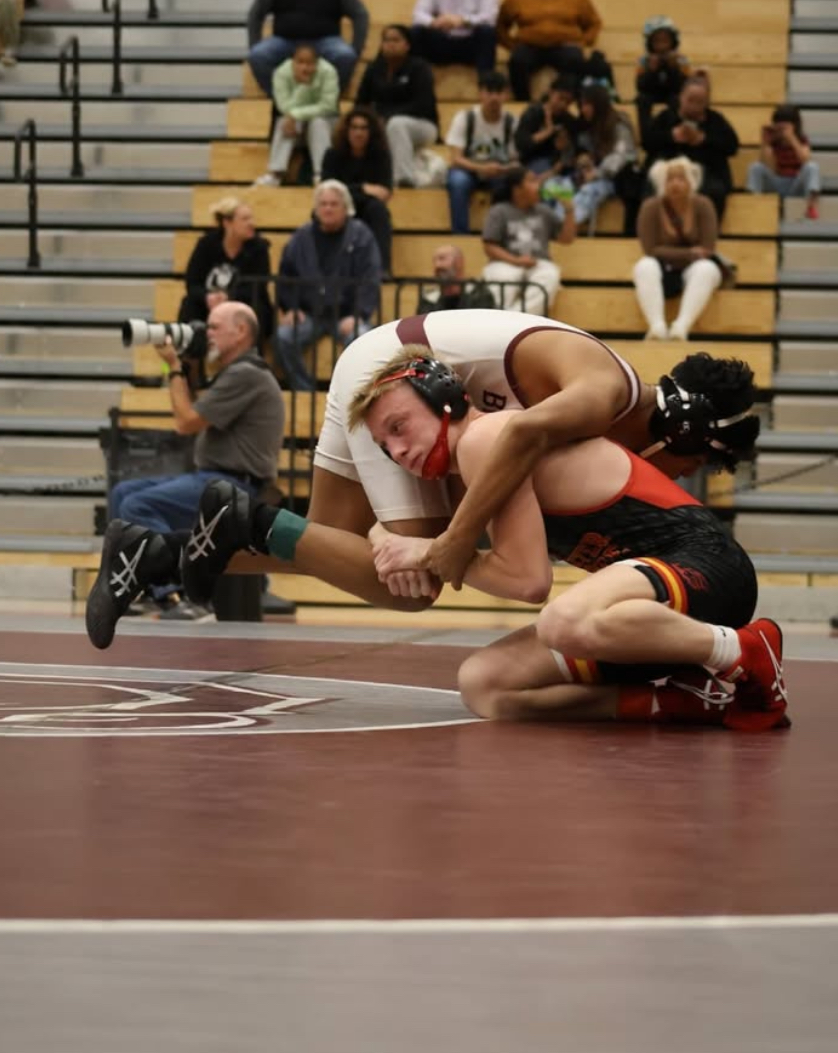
138	331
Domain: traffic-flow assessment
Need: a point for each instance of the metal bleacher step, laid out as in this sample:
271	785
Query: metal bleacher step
812	256
802	356
786	533
811	473
124	160
135	52
208	117
816	38
805	412
23	401
807	305
188	81
125	294
25	458
812	383
797	441
54	344
105	247
107	201
68	518
83	368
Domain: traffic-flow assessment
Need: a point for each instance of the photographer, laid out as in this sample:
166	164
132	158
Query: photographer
239	422
786	166
222	262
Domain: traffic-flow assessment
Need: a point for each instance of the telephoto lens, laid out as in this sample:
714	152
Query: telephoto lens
136	331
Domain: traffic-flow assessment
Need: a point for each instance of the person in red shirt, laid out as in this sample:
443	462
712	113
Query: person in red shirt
785	166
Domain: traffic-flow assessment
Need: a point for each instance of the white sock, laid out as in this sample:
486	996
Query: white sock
726	649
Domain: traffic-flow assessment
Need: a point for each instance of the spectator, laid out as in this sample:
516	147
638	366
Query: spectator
606	144
239	422
454	291
482	147
516	236
449	31
9	31
785	166
661	71
703	135
547	130
305	91
229	262
315	22
400	88
541	34
678	230
360	159
329	282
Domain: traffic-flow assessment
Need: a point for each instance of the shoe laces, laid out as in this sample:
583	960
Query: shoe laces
124	579
712	692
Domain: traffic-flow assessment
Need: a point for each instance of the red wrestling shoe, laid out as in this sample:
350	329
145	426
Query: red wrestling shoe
760	697
691	695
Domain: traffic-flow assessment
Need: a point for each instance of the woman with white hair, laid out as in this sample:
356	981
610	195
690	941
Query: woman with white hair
328	283
678	230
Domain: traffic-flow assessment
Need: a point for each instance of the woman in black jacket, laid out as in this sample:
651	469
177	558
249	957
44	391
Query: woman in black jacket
222	261
360	159
400	88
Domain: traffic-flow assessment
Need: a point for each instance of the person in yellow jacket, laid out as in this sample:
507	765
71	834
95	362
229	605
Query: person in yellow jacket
546	33
305	91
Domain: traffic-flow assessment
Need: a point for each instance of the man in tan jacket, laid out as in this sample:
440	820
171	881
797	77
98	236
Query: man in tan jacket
545	33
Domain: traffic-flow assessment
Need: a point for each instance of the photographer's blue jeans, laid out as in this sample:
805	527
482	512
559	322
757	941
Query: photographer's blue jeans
271	52
290	342
163	503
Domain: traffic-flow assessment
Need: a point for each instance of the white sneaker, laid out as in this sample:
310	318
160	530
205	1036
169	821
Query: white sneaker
678	332
268	179
8	58
657	331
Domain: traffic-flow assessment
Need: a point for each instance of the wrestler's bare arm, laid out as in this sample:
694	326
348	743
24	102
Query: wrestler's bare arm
518	565
592	391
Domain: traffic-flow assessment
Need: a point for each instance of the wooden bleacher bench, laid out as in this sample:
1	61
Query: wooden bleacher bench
587	259
251	118
745	312
286	208
738	84
243	161
650	359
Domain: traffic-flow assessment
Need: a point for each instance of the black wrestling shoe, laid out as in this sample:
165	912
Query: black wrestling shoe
222	529
132	558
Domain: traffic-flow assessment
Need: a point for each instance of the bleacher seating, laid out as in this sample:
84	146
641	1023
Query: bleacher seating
743	42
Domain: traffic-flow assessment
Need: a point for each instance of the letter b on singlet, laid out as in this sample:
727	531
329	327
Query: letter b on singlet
492	401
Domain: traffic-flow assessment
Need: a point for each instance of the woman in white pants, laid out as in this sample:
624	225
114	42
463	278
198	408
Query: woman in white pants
677	230
305	89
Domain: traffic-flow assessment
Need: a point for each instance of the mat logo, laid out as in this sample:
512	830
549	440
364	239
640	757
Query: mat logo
202	708
67	701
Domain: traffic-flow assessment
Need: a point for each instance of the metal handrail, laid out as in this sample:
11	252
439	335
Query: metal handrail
72	46
29	128
152	14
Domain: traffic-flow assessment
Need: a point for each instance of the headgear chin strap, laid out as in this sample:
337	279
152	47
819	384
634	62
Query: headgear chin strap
438	460
440	387
685	423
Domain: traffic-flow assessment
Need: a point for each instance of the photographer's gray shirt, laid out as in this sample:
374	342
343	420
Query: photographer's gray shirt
244	407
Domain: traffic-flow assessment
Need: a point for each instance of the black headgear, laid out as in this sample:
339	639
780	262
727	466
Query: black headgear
436	383
685	422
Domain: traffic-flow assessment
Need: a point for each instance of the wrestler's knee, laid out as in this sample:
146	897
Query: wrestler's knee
477	682
570	628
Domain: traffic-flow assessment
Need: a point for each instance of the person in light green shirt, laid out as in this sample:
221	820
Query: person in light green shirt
305	91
